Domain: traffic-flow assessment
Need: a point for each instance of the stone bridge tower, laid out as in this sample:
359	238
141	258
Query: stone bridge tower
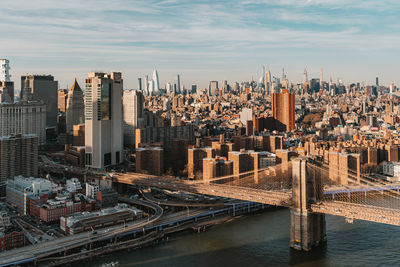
307	229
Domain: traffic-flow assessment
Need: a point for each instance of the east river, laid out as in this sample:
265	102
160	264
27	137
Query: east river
263	240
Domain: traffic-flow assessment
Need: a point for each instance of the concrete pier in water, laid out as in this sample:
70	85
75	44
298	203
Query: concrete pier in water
307	229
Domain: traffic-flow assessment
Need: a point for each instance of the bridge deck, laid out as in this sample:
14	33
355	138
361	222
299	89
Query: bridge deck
276	198
358	211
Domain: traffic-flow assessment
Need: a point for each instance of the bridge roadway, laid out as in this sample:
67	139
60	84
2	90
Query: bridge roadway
275	198
358	211
45	249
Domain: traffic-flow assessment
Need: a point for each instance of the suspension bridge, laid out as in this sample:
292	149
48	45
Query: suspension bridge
305	187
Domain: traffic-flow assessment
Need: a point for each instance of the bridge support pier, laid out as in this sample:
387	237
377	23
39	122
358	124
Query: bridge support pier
307	229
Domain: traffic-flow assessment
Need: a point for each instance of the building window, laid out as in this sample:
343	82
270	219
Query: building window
105	102
88	159
88	101
117	157
107	159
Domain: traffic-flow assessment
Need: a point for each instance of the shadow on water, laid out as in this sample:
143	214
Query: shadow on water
263	240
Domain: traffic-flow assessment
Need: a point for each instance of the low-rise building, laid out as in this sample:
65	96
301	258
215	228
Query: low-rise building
20	190
81	222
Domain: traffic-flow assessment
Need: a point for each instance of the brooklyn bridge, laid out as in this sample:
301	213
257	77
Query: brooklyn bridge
306	187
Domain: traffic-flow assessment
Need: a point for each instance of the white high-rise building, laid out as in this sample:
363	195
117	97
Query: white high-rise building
156	83
6	85
5	70
268	81
146	85
169	88
133	114
103	119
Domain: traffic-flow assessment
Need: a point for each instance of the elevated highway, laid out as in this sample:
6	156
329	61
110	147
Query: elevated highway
46	249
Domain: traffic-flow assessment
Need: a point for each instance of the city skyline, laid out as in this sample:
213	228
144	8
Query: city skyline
203	41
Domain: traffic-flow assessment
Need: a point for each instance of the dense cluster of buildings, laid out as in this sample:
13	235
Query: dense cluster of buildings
223	130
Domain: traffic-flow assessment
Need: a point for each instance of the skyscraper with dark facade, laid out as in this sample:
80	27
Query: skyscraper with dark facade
45	88
283	110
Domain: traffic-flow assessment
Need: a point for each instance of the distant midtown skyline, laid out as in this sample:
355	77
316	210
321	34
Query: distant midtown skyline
131	79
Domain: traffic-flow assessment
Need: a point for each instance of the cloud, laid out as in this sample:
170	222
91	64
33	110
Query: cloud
186	34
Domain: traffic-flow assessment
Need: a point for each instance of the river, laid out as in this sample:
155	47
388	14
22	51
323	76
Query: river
263	240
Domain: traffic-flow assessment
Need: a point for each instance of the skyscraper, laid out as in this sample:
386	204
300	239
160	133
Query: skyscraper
321	77
140	84
194	89
45	88
133	114
5	70
213	88
377	81
146	85
268	81
169	88
62	99
156	83
6	85
75	107
18	156
103	119
28	116
283	110
178	84
305	76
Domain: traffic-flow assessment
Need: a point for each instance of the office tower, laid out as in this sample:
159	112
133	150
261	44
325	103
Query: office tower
5	70
18	156
314	85
213	88
28	116
169	88
283	110
267	81
45	88
140	84
133	116
194	88
6	85
391	87
305	76
178	84
146	85
321	76
235	87
377	82
156	83
151	87
62	99
275	85
225	87
75	108
261	81
103	119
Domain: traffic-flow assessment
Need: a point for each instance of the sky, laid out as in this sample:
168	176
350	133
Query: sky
352	40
